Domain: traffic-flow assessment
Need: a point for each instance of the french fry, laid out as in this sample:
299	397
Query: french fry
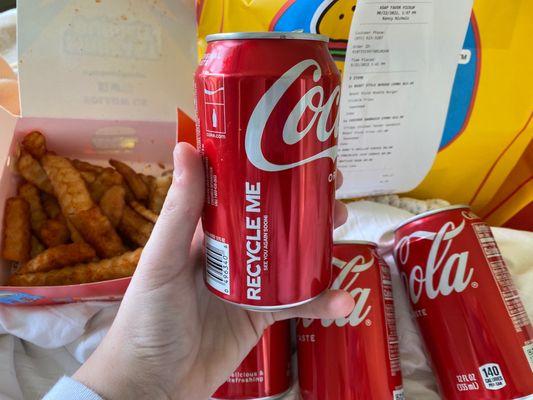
36	247
97	230
158	193
75	236
54	233
59	257
113	268
68	185
30	193
78	206
143	211
129	194
134	181
84	166
135	227
88	177
112	204
33	172
16	243
50	205
105	180
35	144
147	179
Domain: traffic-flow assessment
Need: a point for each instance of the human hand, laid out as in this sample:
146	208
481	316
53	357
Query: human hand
171	338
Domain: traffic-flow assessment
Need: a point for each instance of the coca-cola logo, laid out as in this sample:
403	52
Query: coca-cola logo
444	272
347	281
320	115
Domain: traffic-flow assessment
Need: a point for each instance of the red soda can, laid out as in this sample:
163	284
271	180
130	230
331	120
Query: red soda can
357	357
267	107
475	328
265	373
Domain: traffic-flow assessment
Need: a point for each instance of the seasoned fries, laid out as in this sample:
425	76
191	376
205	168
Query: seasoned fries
158	193
68	185
54	232
16	243
75	222
36	247
134	181
50	205
112	204
135	227
147	179
112	268
33	172
35	144
88	177
75	236
59	257
38	217
84	166
143	211
96	229
107	178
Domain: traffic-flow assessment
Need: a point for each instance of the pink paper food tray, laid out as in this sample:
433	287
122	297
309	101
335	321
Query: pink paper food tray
97	96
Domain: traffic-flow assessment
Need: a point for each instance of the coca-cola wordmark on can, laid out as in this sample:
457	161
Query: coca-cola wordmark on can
265	373
357	357
267	106
475	328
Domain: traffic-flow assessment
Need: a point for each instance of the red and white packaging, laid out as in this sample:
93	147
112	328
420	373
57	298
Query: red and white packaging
267	106
475	328
357	357
265	373
101	80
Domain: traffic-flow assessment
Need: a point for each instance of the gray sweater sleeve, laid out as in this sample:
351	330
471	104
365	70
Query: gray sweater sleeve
68	388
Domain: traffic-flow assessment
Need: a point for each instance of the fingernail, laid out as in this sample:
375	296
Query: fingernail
178	161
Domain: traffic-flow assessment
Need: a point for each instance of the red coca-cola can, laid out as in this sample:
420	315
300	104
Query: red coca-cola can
267	106
475	328
265	373
357	357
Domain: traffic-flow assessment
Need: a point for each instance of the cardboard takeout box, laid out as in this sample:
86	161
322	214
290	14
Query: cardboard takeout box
100	80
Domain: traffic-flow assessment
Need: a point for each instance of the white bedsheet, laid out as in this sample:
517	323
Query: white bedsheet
57	339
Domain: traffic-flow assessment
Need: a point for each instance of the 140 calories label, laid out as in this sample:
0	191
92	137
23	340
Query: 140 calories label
492	376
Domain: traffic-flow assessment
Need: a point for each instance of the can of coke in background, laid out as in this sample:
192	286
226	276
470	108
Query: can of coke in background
357	357
267	108
265	373
475	328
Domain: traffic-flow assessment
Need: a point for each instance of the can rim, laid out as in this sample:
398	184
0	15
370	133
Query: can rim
430	212
366	242
267	35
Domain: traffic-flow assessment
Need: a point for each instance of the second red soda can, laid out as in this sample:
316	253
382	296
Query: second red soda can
353	358
265	373
475	328
267	107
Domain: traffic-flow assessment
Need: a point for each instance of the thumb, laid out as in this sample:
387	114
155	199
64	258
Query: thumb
167	250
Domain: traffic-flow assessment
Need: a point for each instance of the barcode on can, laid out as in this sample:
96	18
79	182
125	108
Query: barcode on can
217	265
398	395
528	351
